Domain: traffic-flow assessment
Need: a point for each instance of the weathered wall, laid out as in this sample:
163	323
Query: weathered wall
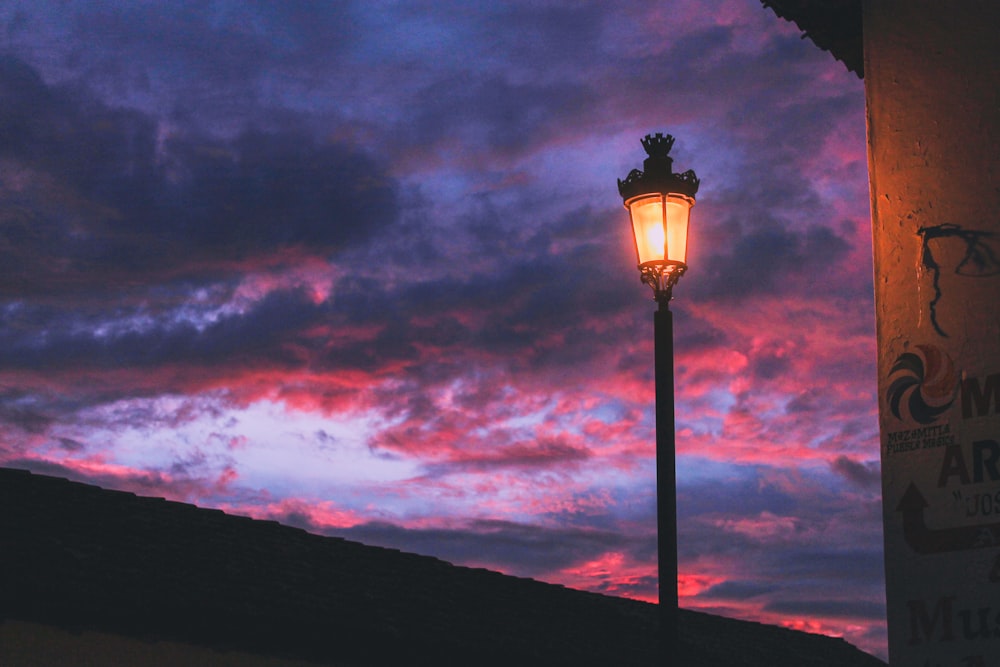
932	78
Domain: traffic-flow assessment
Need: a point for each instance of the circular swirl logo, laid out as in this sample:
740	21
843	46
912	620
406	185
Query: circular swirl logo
925	383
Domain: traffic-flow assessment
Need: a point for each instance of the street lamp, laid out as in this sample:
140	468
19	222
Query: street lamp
659	204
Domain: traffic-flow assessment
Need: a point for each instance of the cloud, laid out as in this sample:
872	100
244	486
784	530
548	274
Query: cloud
543	452
96	195
864	474
176	485
25	418
851	609
519	549
737	590
772	260
75	344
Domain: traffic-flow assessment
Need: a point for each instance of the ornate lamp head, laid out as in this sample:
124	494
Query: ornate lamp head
659	204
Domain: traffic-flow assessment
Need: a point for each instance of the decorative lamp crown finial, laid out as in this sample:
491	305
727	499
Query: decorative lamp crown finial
657	171
658	145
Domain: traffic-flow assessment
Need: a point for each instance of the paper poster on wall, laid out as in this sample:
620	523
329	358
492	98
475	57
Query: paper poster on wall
940	425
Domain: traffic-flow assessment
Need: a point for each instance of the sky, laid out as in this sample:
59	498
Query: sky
362	268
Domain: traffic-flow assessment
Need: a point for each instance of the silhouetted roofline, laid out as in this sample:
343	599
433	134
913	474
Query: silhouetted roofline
78	557
833	25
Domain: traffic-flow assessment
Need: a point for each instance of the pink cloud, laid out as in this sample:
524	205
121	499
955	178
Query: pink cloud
612	573
312	514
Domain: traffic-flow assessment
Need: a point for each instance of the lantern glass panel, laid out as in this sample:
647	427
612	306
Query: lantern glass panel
648	227
678	211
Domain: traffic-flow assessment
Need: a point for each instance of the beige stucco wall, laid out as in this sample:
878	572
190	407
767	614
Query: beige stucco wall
33	645
932	81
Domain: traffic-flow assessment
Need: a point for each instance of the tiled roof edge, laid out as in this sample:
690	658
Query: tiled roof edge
81	557
832	25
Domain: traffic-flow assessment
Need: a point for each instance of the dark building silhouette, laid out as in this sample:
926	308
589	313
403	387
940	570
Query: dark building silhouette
96	577
832	25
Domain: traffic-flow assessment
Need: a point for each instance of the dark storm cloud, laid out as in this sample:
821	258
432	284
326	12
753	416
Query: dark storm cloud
34	413
245	41
797	537
252	338
492	115
528	302
158	54
523	549
71	445
737	590
27	419
558	277
61	342
543	453
267	191
93	194
771	259
21	410
863	567
865	475
515	305
700	66
747	492
867	609
500	81
549	34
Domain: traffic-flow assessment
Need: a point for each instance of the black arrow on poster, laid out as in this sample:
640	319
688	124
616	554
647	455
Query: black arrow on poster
924	540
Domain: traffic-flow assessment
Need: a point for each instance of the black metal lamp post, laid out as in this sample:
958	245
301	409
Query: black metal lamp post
659	204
